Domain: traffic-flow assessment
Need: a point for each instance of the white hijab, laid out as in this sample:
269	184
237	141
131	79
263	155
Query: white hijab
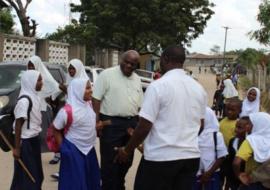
259	138
251	107
80	109
80	70
210	125
28	87
229	90
82	132
50	87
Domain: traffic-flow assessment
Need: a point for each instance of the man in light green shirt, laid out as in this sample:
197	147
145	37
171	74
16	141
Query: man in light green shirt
117	96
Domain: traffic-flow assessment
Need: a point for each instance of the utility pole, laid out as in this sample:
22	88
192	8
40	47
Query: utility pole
70	14
225	43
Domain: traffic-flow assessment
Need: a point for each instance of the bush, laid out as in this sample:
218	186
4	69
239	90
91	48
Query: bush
244	83
265	101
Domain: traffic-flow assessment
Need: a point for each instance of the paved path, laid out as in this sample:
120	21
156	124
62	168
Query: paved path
6	160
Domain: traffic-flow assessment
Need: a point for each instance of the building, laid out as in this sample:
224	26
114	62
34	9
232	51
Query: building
198	59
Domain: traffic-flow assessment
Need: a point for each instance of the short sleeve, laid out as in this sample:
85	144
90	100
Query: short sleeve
100	86
245	151
21	108
60	119
150	106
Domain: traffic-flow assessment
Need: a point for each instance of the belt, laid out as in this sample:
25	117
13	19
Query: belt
121	117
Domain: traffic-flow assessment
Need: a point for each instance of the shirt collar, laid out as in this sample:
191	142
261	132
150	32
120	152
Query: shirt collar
175	71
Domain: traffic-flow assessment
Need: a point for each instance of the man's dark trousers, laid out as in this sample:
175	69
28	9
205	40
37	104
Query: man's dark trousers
166	175
115	135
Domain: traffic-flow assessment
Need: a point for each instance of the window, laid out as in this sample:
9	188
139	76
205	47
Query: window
10	76
56	75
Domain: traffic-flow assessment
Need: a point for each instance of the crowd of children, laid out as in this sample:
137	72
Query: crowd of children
231	150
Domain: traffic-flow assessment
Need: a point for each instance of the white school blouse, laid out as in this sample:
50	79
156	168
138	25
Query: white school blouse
175	104
20	111
83	136
208	154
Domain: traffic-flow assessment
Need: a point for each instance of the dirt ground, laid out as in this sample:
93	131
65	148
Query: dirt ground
6	160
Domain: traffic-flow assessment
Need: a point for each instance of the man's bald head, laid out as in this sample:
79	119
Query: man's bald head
130	53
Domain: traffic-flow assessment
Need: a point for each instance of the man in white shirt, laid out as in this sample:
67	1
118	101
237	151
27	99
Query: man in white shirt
169	123
117	96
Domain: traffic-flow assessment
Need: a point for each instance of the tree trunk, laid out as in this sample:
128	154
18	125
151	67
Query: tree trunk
28	30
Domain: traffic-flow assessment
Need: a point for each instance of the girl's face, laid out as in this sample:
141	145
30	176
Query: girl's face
241	128
252	94
88	92
39	83
30	66
71	71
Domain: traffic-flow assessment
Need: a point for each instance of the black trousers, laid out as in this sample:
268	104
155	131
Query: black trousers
115	135
166	175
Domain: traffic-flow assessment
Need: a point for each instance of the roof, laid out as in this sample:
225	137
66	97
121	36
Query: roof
204	56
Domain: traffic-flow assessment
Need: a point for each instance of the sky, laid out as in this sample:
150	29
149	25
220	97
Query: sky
239	15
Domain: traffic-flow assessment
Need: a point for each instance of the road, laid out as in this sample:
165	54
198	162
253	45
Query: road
6	160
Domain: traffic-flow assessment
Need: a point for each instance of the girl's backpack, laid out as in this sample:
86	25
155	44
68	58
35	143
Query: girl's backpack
6	125
50	139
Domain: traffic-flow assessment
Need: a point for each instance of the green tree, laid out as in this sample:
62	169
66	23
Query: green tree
250	58
20	7
6	21
143	25
75	34
262	35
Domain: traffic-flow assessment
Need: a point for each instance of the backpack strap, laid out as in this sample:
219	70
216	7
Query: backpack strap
215	143
29	108
68	110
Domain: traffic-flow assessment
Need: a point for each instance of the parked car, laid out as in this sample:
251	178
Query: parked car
146	77
93	73
10	80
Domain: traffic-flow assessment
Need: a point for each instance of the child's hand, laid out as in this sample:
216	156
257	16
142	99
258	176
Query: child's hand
245	178
206	176
16	153
130	131
99	127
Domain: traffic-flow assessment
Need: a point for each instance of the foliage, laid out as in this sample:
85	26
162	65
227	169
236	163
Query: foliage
263	34
74	34
250	58
244	83
29	29
143	25
6	21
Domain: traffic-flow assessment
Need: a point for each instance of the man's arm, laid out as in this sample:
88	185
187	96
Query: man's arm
96	107
139	134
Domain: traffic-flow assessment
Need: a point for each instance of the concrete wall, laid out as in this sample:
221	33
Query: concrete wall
77	51
15	48
19	48
107	58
